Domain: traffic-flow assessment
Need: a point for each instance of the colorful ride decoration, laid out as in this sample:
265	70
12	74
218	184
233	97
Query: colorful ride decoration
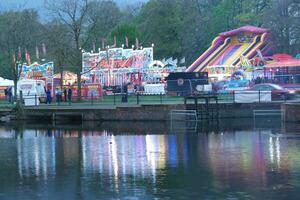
229	49
38	71
115	66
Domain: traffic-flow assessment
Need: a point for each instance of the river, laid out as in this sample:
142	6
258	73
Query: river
222	160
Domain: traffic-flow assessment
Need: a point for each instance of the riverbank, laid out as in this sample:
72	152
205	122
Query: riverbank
129	112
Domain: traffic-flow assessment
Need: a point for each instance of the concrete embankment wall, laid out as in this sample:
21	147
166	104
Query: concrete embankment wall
5	111
138	113
291	112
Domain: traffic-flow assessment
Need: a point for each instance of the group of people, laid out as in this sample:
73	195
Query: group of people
60	95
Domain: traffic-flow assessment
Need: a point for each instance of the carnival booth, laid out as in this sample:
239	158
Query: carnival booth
5	84
37	71
118	66
65	78
284	69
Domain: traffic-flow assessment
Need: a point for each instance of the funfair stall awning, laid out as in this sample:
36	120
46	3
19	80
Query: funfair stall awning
283	60
285	63
6	82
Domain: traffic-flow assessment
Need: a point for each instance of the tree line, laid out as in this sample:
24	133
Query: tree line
178	28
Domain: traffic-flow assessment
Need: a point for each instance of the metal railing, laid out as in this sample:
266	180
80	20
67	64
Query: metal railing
183	115
142	99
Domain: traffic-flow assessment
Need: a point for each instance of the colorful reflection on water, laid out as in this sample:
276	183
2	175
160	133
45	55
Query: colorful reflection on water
81	164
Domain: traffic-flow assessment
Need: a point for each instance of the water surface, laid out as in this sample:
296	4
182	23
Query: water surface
225	160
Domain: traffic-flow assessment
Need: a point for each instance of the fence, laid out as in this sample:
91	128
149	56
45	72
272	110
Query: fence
177	91
142	99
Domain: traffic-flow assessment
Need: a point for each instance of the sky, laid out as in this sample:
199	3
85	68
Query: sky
38	4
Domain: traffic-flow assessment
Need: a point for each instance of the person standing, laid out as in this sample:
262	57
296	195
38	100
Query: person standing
125	93
6	93
10	94
70	92
49	97
65	94
58	95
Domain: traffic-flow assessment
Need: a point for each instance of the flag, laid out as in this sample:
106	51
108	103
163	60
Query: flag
94	46
137	45
37	52
115	42
27	57
14	58
175	61
44	49
103	43
182	61
126	41
19	52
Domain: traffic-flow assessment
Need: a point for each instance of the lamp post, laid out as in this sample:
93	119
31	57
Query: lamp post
107	60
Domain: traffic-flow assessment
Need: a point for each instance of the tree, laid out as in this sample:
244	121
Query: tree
159	23
103	17
73	13
58	39
125	30
20	30
284	21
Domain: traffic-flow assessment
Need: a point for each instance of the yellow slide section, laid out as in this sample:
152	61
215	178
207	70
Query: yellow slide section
220	54
253	44
212	55
236	54
254	48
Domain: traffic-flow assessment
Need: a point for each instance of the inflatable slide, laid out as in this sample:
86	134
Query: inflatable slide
228	48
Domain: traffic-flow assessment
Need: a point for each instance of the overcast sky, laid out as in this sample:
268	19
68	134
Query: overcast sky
18	4
39	5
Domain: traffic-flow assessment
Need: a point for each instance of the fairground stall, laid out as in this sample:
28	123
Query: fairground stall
38	71
119	66
283	69
4	85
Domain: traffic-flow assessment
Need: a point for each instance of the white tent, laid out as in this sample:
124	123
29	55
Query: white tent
6	82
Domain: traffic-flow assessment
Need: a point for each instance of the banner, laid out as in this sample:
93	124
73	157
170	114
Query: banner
37	71
117	58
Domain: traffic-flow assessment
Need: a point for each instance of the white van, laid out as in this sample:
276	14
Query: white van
31	89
